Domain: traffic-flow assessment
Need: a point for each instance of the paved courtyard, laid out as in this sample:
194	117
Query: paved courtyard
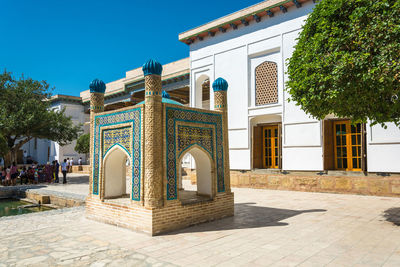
278	228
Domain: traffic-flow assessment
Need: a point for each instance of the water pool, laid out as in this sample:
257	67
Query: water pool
11	207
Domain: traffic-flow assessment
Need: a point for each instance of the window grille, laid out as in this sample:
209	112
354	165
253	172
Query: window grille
266	83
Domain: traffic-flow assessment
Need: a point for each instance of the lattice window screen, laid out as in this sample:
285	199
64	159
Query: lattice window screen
266	83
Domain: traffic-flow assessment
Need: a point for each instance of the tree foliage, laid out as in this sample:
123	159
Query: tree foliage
83	144
25	113
346	61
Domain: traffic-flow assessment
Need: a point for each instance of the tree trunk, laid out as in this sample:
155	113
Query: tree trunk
11	156
7	159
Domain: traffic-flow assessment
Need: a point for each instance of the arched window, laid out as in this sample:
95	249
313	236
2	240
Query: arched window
266	83
202	92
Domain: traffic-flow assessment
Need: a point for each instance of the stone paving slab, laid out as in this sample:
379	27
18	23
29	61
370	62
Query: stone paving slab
77	188
270	228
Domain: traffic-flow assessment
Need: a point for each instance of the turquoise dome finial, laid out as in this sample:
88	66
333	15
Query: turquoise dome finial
152	67
165	94
97	86
220	84
166	98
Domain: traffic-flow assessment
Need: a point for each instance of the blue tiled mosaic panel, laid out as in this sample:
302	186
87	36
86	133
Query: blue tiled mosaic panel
173	115
189	135
121	136
129	116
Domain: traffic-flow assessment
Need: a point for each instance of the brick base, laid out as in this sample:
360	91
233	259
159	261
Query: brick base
172	216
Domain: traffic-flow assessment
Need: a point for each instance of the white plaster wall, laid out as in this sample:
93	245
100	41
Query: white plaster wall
383	148
302	158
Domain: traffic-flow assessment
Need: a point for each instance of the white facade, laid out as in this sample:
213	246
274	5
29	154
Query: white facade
234	55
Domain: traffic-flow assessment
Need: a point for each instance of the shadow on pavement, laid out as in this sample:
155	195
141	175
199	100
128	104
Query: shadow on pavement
392	215
247	215
84	179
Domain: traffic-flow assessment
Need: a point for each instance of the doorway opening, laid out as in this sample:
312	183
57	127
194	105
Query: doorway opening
116	184
202	189
271	149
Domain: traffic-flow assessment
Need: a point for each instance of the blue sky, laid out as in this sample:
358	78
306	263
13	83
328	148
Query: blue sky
69	43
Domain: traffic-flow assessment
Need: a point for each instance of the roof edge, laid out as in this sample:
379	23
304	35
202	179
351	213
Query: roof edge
233	18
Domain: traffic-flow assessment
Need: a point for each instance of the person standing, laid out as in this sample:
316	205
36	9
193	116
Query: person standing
3	175
57	170
71	163
14	173
64	169
67	164
8	175
48	171
80	164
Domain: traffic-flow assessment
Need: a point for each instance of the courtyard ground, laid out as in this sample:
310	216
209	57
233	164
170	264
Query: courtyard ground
278	228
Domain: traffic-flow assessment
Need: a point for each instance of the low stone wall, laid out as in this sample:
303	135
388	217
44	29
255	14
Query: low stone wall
365	185
43	196
80	169
60	201
156	221
189	174
352	183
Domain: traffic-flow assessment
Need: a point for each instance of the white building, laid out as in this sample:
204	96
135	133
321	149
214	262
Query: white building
44	151
249	49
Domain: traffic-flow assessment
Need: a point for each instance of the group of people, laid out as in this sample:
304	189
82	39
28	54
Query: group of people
35	173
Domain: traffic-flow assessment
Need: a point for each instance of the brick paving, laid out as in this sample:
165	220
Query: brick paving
270	228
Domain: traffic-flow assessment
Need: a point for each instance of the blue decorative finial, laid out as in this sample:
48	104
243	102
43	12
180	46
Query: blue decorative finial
165	94
97	86
152	67
220	84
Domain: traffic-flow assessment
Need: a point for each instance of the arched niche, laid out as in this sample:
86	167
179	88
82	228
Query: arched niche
115	182
204	170
202	92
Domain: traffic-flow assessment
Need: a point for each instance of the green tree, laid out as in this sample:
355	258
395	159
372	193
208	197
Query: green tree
25	113
346	61
83	144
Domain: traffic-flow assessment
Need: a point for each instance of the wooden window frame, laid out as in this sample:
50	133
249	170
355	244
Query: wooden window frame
349	145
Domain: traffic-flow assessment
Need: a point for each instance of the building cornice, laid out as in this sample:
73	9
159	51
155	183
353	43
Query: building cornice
172	72
242	17
65	98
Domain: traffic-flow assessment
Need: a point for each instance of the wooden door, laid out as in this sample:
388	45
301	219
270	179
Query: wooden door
271	147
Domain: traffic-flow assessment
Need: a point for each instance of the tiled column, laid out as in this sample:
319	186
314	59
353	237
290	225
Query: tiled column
220	87
153	149
97	89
